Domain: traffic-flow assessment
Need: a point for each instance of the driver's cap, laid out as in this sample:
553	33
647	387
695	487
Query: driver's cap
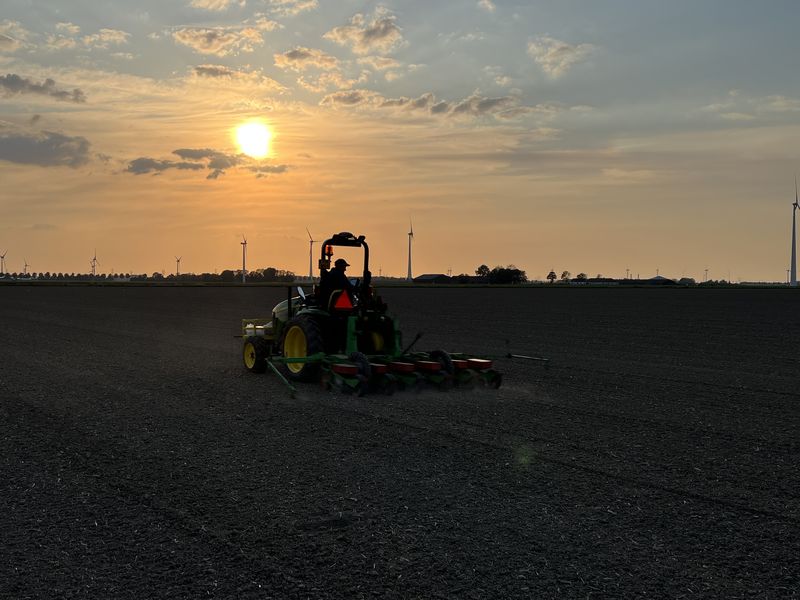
340	262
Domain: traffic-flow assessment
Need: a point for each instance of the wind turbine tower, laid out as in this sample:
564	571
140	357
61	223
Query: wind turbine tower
3	262
178	266
93	262
311	241
793	264
410	237
244	258
25	268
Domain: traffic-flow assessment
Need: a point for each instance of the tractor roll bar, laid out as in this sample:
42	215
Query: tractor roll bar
345	238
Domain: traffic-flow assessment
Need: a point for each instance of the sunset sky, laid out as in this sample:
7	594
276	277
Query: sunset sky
590	136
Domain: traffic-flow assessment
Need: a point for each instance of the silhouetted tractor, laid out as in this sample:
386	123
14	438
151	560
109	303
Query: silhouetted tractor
344	338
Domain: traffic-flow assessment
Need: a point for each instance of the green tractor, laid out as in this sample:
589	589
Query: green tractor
343	337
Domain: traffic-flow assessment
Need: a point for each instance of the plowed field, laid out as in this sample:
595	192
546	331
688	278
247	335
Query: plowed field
657	456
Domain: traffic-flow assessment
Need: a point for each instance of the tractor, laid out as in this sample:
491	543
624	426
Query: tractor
345	338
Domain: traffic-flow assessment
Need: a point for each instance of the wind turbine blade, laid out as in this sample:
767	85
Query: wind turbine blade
311	239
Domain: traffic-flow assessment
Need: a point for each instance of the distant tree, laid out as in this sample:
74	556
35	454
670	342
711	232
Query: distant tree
687	281
565	276
581	277
551	276
506	275
599	276
483	271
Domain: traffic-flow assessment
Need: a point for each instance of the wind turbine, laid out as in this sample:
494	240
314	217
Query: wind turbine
244	258
93	262
793	265
3	262
311	241
25	268
178	266
410	237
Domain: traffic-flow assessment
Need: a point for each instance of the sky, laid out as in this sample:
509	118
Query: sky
591	136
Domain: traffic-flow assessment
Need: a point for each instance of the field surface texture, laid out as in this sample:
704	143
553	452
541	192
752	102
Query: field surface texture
657	457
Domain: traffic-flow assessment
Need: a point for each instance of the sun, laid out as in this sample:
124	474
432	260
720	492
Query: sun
253	138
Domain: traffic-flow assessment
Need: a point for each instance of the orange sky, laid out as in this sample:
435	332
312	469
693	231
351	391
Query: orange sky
548	159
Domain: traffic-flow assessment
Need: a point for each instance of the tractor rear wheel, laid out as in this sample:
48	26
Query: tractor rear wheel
302	337
255	353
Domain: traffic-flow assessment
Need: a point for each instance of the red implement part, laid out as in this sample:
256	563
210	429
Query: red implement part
344	369
479	364
429	366
378	368
401	367
460	364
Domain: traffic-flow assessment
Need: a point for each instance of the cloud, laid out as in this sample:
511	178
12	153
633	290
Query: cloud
12	84
12	35
215	5
379	63
46	149
472	107
105	37
229	75
269	168
200	159
556	57
60	42
331	80
380	35
69	28
487	5
224	41
301	58
141	166
348	98
290	8
740	107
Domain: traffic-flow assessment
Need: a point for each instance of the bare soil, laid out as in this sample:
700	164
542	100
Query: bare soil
656	457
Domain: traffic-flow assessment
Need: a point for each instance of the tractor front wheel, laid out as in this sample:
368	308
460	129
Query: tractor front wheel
255	353
302	338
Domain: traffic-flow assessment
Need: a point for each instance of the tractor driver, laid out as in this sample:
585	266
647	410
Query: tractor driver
336	279
333	280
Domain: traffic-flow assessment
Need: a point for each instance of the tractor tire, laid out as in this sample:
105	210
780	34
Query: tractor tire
302	337
255	353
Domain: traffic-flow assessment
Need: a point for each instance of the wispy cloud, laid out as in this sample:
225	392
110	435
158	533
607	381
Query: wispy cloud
215	5
201	159
68	27
556	57
105	38
741	107
45	149
487	5
379	63
228	75
12	35
332	80
144	165
472	107
13	84
224	41
380	34
290	8
300	58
